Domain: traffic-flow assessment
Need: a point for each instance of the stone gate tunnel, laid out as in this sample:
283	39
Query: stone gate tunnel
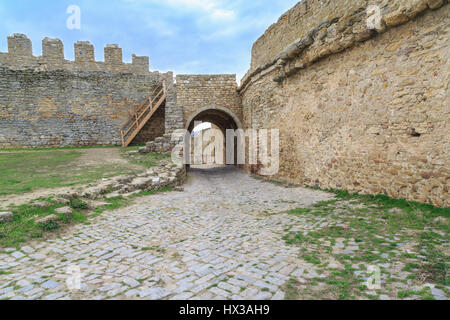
201	99
209	99
208	146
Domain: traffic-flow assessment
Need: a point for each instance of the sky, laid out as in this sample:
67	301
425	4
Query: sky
184	36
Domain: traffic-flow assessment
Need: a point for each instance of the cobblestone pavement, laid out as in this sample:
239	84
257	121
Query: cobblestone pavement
230	236
219	239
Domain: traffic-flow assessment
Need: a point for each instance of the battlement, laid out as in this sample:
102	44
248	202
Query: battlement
198	80
20	57
20	45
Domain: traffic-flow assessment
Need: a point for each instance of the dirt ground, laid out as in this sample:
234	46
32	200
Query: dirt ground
92	157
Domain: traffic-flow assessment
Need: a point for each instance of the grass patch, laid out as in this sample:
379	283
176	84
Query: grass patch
363	230
24	227
385	202
56	148
113	204
78	204
291	290
26	171
296	238
152	192
145	160
155	249
49	226
300	211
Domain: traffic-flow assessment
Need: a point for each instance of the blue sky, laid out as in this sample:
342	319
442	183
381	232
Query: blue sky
184	36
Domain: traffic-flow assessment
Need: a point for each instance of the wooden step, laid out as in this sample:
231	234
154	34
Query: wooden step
143	115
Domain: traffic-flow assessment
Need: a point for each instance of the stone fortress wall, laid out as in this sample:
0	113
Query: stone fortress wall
359	108
50	101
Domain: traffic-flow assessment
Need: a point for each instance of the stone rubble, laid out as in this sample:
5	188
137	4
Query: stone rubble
166	174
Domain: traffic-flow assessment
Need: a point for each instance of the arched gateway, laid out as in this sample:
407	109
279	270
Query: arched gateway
219	117
222	117
199	98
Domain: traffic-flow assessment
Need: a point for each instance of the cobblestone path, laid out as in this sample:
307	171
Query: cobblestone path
230	236
219	239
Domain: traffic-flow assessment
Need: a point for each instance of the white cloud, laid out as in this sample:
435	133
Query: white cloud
188	67
185	36
161	27
221	14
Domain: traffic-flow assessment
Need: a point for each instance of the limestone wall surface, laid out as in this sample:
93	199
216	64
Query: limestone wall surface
373	118
66	108
314	29
154	128
49	101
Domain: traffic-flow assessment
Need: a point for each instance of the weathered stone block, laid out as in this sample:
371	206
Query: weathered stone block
6	217
52	49
65	211
84	52
47	219
19	45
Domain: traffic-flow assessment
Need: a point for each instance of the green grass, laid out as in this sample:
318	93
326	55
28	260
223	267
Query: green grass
155	248
296	238
145	160
55	148
380	227
24	226
22	172
78	204
113	204
385	202
291	290
300	211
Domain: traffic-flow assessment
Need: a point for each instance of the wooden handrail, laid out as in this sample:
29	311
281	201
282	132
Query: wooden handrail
137	118
143	114
149	98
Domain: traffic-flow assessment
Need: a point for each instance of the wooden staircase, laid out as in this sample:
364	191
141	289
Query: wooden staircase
145	111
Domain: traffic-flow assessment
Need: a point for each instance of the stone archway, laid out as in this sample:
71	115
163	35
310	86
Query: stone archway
222	117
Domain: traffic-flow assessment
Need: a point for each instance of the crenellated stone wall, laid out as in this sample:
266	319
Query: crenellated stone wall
20	57
358	108
49	101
